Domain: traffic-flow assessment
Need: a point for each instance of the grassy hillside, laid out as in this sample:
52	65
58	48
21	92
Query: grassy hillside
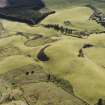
20	45
83	73
70	3
79	20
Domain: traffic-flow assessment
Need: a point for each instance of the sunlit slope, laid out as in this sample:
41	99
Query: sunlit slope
70	3
86	76
97	53
13	27
20	60
79	21
84	73
78	16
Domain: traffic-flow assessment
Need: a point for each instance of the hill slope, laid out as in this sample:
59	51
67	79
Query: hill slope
37	4
83	67
70	3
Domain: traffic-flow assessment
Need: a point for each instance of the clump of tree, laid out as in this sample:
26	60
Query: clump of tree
67	31
100	102
81	52
64	84
59	28
67	23
97	15
41	55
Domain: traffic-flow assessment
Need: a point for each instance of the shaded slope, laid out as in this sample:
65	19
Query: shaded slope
23	11
36	4
41	55
28	16
24	15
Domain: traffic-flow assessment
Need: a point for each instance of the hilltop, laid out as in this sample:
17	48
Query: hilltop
70	3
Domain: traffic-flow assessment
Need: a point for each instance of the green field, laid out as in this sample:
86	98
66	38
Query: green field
86	74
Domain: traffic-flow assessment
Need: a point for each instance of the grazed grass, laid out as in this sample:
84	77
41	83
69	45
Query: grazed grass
86	74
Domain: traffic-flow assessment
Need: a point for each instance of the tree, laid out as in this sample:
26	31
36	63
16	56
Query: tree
100	102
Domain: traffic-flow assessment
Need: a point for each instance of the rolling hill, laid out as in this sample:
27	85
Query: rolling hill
24	11
37	4
70	3
76	60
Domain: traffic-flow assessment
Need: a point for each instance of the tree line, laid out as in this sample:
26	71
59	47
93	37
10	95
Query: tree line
66	31
97	15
